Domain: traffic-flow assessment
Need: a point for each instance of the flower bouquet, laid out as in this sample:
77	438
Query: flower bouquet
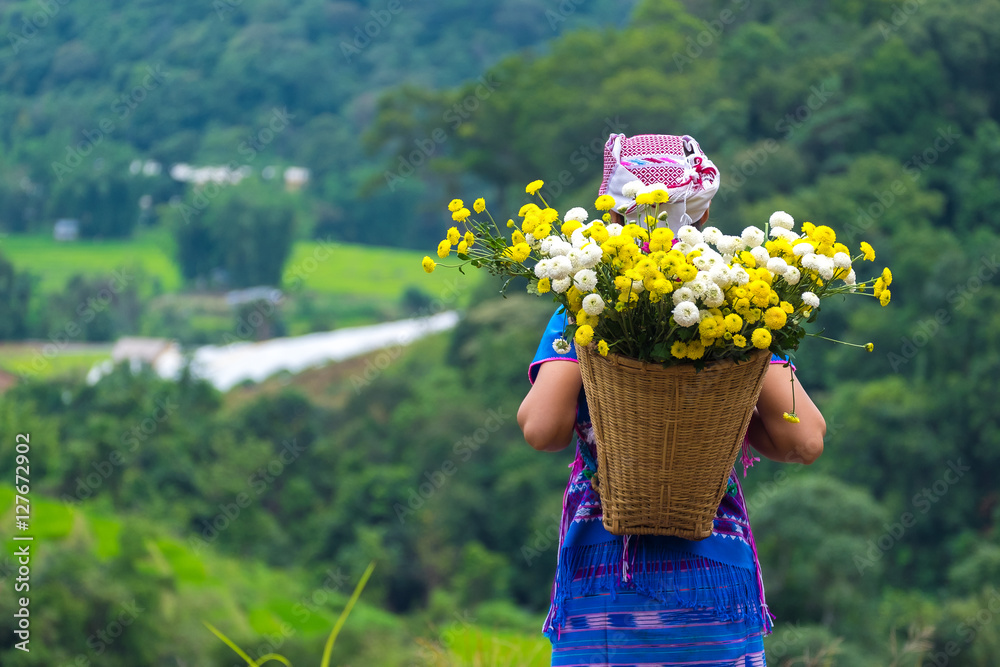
673	333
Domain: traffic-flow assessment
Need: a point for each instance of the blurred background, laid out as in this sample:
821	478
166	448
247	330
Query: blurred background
240	388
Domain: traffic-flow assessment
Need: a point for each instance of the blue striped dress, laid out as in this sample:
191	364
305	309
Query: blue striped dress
645	600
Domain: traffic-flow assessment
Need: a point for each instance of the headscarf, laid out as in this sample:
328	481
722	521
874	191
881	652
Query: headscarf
678	163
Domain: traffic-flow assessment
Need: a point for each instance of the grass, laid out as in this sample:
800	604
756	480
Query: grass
329	268
17	358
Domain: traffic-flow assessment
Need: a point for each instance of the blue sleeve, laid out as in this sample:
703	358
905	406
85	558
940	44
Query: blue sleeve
553	330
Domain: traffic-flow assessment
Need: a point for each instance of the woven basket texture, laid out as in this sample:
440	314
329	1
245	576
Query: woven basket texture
667	438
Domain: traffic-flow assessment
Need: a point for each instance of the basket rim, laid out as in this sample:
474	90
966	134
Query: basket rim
630	362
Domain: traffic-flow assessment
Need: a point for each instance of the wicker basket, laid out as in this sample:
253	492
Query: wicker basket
666	438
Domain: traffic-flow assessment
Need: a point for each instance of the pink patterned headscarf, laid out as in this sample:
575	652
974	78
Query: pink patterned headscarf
679	163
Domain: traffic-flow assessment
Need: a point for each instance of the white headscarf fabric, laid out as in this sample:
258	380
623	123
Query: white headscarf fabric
679	163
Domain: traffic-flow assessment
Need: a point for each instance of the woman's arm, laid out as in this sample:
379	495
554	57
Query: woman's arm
548	413
776	438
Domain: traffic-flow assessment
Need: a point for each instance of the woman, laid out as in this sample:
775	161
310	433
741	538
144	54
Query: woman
657	600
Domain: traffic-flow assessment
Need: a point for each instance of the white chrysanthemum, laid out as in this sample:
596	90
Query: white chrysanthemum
585	280
686	314
532	242
777	265
543	268
760	255
781	220
683	247
577	238
662	215
652	187
559	247
851	278
683	294
711	235
841	260
720	275
779	233
714	297
560	285
690	235
561	345
752	236
739	275
810	299
560	267
699	285
576	258
614	229
632	188
578	214
593	304
728	245
811	262
826	267
638	287
545	244
802	249
592	255
792	276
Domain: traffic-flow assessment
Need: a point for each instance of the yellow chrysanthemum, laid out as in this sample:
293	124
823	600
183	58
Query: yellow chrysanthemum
602	348
569	227
429	264
534	187
885	297
887	276
584	335
710	327
791	417
645	199
824	234
462	248
678	350
733	323
479	205
808	228
761	339
542	230
461	215
739	341
517	237
660	196
868	251
510	223
518	252
879	287
528	208
604	203
470	238
695	349
775	318
544	285
444	248
453	235
870	347
455	204
787	307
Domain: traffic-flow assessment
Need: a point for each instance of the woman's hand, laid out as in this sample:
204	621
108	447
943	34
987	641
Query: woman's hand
780	440
548	413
